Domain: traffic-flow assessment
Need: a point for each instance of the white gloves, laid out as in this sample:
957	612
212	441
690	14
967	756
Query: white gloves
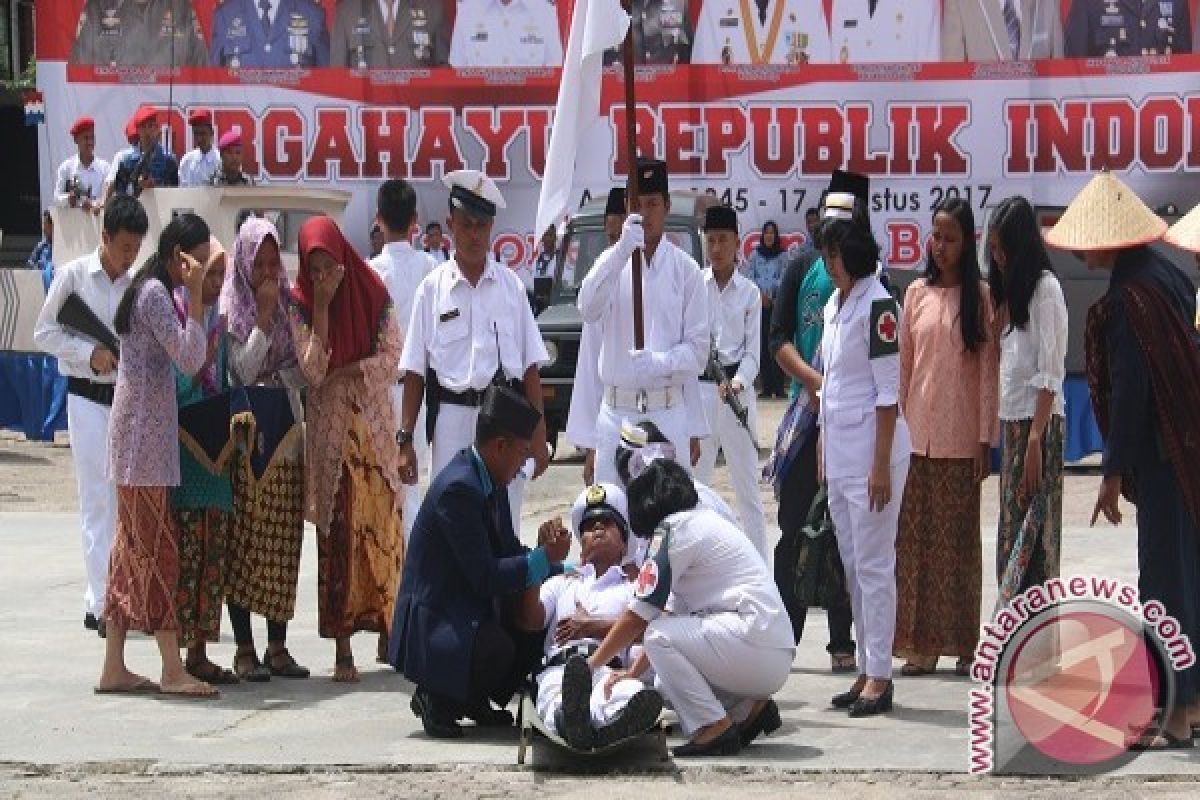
633	236
651	364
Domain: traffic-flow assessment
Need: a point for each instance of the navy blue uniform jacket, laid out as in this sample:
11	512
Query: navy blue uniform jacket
463	557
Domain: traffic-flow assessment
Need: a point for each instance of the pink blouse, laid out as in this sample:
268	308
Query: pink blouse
329	409
948	395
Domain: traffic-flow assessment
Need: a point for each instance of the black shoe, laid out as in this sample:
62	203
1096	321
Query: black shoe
576	703
434	719
728	743
487	717
845	699
90	622
638	716
863	707
102	628
767	721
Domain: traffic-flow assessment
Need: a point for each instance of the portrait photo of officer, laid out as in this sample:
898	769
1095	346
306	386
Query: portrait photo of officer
885	31
274	34
137	33
662	33
1001	30
1123	28
783	32
506	33
382	34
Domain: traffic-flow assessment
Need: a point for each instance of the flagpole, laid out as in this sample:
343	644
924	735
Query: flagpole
639	337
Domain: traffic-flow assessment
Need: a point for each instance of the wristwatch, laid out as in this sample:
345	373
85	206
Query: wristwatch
403	437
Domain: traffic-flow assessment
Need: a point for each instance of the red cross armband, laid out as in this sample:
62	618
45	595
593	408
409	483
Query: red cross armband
885	328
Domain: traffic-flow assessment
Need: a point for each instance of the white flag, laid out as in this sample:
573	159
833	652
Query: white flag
596	26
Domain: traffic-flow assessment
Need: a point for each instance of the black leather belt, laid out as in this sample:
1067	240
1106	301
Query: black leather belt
471	398
730	372
101	393
559	659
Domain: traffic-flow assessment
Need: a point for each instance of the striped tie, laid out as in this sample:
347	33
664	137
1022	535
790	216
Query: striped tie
1013	24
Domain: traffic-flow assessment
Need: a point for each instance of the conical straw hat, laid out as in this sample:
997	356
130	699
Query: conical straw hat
1106	215
1186	232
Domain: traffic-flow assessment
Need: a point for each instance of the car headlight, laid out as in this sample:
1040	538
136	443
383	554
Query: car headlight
552	352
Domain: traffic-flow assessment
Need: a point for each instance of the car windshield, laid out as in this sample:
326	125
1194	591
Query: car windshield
584	246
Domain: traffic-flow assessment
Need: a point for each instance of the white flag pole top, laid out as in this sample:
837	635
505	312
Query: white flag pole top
596	26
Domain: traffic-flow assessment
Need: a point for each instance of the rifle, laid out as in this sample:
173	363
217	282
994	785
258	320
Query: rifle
73	187
713	371
77	315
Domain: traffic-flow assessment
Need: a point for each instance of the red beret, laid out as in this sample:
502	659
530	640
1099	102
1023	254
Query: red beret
145	114
131	132
230	138
83	124
199	118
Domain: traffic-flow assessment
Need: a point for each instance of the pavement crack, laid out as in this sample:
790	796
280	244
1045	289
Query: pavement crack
217	733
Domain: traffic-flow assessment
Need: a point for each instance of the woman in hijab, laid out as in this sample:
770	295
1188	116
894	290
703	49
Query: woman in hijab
765	268
349	349
268	475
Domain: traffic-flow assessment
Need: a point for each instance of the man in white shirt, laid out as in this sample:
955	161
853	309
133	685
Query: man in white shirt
506	33
471	327
648	383
885	31
80	180
577	611
402	268
734	307
99	280
757	32
200	164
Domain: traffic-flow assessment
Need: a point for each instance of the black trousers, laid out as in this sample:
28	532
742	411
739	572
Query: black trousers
799	489
239	619
501	660
770	375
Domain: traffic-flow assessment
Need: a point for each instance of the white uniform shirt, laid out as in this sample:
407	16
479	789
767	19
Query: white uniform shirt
586	392
1035	358
197	168
92	177
675	316
606	596
524	273
454	328
856	384
706	566
794	33
492	33
736	319
85	277
900	31
402	268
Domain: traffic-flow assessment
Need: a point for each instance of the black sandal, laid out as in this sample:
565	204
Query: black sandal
1170	742
247	667
290	668
210	673
346	661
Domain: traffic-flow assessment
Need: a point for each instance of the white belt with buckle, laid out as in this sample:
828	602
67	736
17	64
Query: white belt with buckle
643	400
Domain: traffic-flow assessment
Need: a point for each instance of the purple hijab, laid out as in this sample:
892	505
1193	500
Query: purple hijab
237	302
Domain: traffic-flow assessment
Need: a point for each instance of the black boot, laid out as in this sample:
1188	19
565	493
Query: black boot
638	716
436	718
576	703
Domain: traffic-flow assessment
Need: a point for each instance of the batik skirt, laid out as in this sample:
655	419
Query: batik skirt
143	568
1029	534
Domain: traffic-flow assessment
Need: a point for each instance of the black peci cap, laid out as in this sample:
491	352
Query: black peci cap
651	176
510	411
616	202
720	218
851	182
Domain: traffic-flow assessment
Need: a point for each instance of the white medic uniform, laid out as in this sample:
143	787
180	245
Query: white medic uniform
727	640
91	177
859	348
606	595
900	31
731	32
736	319
675	322
402	268
197	168
520	33
455	330
87	420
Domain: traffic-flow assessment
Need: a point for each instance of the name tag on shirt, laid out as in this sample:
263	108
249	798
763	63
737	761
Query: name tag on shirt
449	315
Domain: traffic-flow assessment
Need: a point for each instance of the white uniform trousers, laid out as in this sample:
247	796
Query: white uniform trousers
706	669
867	543
454	431
413	495
87	425
604	709
741	456
673	422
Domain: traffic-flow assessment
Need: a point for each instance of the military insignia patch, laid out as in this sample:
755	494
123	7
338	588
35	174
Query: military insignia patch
654	580
885	328
647	580
596	495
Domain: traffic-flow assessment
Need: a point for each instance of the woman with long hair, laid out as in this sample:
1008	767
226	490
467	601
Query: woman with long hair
143	456
348	347
765	267
948	394
1031	323
268	472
